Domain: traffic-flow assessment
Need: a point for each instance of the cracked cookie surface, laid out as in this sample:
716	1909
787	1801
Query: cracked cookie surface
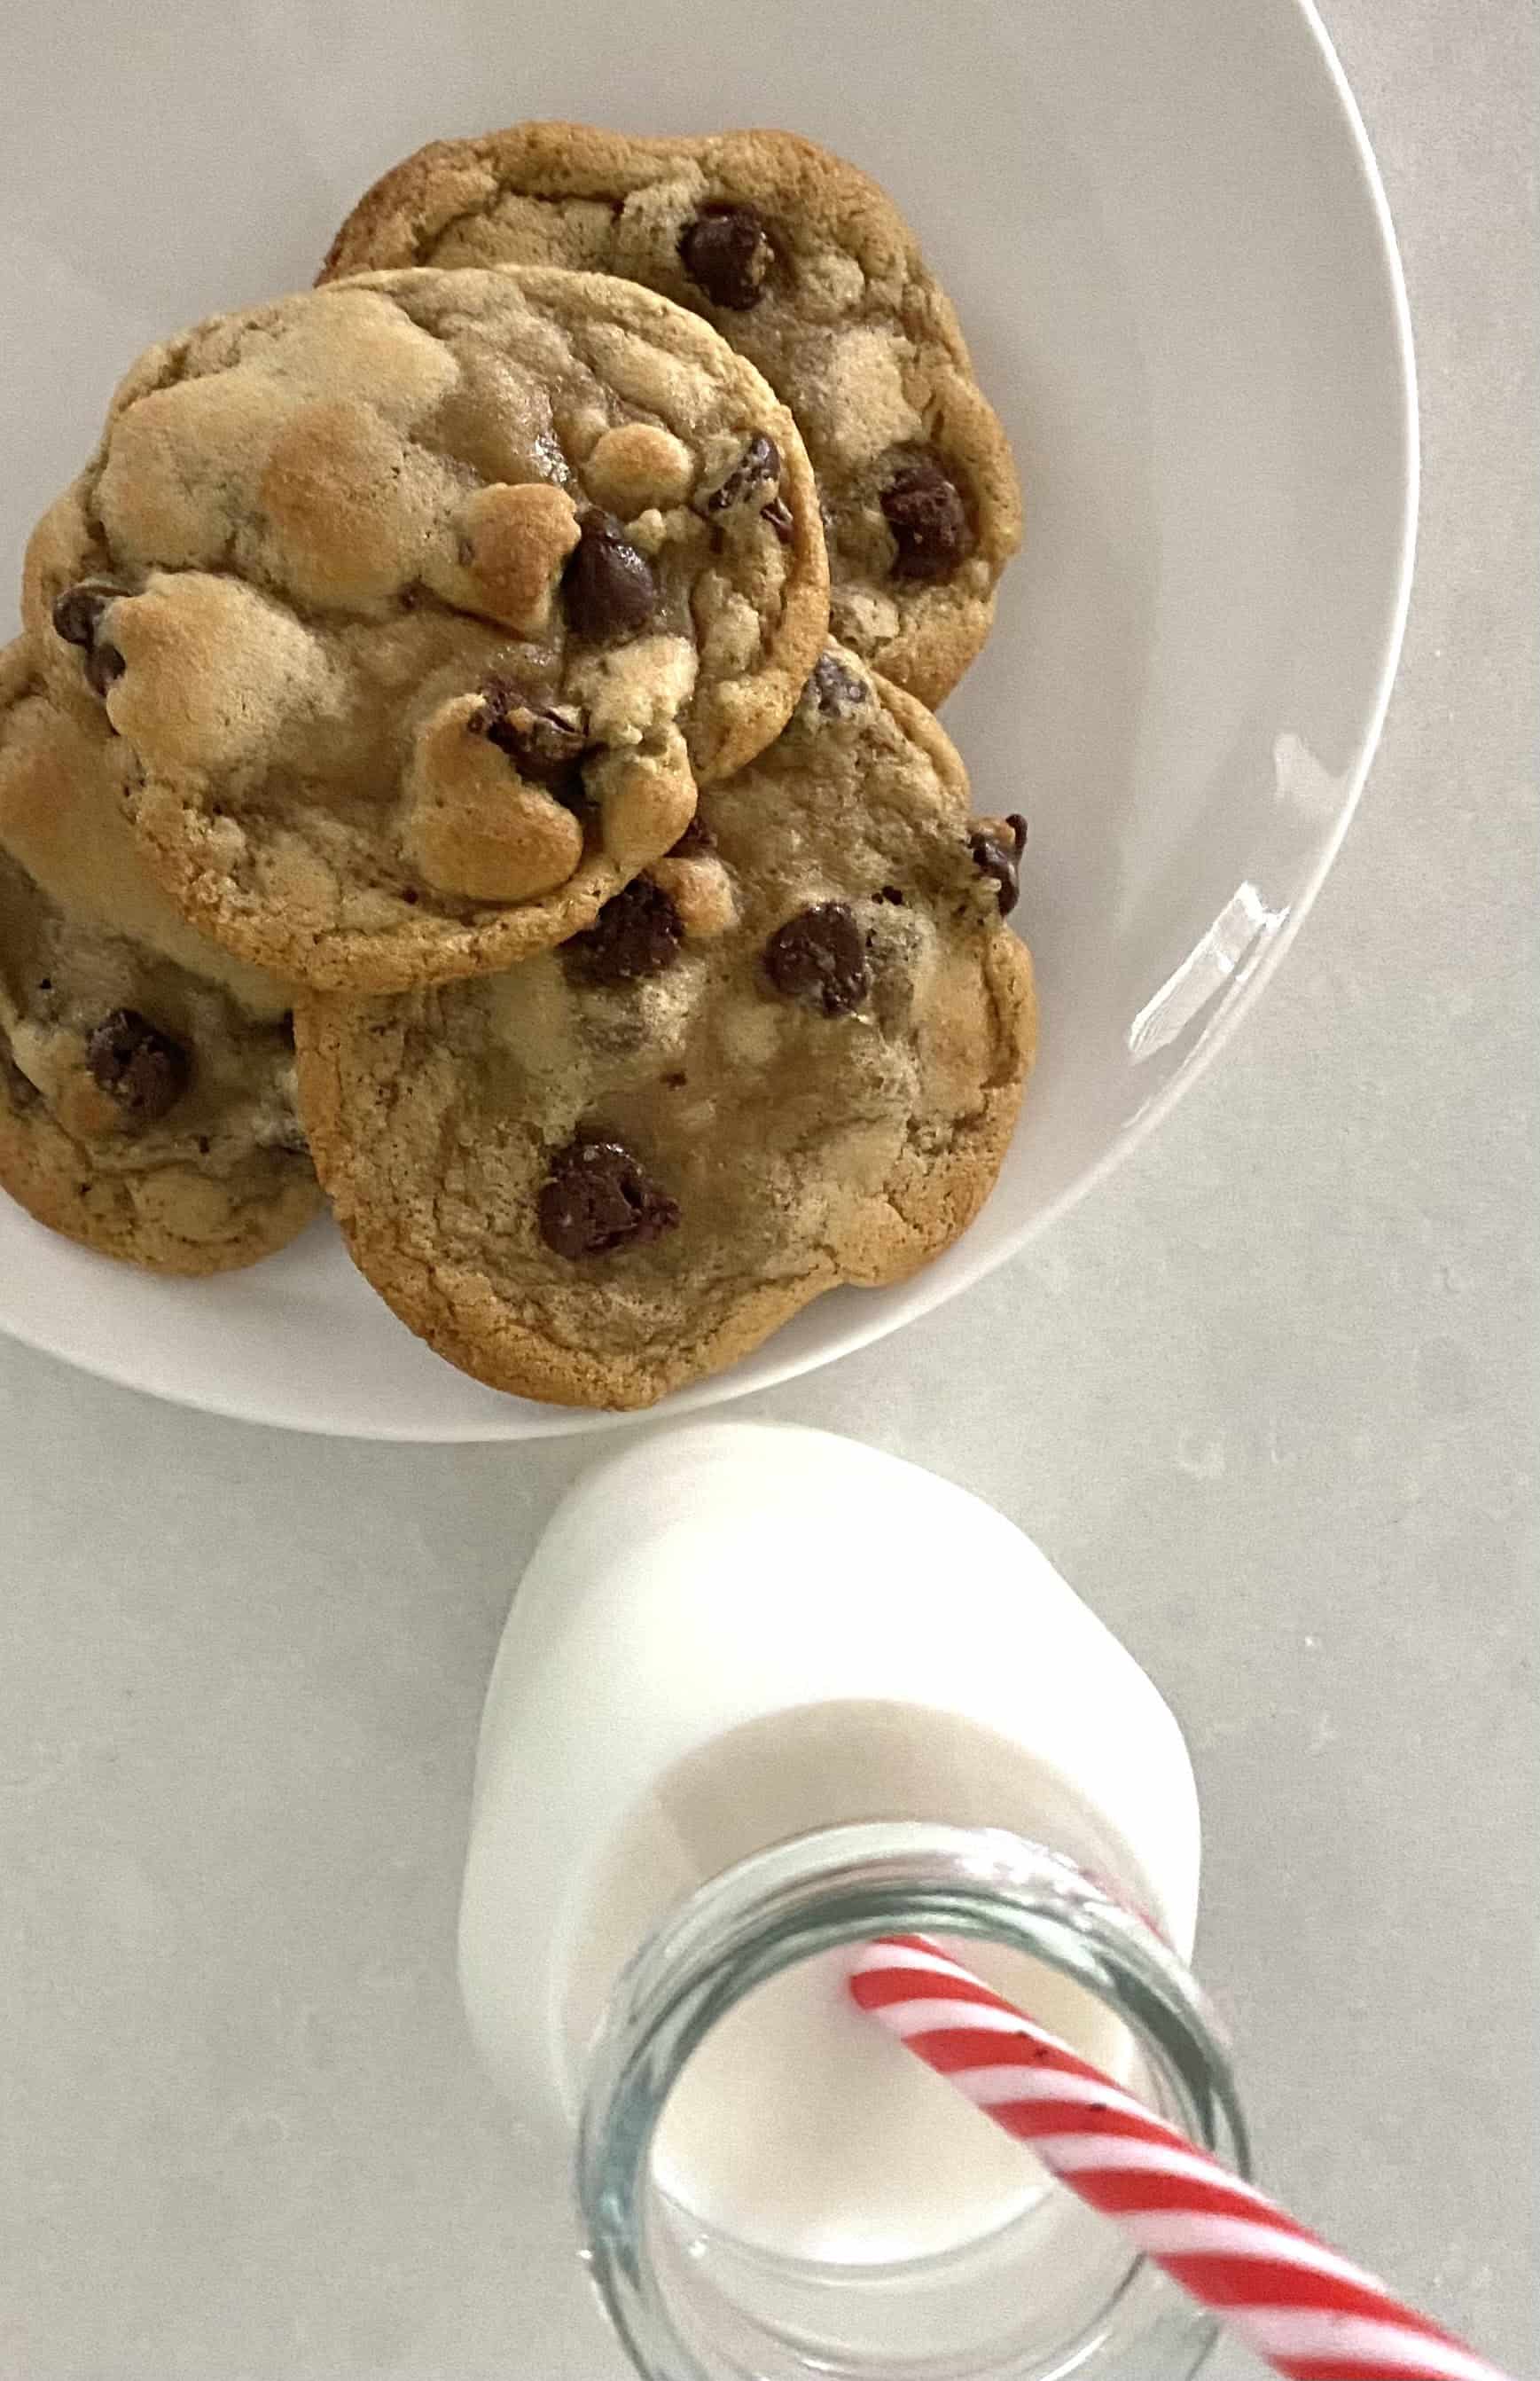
423	604
790	1055
146	1079
805	265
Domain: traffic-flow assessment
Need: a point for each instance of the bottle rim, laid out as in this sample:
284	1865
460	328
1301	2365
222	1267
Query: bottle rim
850	1883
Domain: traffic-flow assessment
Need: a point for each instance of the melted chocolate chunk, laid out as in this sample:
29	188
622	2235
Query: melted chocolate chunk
819	957
726	252
597	1198
544	741
1002	861
924	508
105	666
609	584
80	608
636	935
758	468
78	619
137	1065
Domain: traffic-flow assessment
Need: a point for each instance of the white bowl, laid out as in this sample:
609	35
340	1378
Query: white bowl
1165	236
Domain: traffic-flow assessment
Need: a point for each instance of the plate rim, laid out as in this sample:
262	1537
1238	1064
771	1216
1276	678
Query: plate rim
927	1291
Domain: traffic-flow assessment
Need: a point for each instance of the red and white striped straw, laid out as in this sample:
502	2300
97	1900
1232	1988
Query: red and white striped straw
1305	2311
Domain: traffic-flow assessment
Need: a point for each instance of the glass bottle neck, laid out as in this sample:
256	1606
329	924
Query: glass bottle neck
1050	2291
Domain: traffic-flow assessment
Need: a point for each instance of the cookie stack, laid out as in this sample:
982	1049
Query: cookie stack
468	752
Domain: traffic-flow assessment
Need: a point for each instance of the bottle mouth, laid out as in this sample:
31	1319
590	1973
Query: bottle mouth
1053	2292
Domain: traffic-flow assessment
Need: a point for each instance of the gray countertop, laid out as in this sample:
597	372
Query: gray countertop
1276	1422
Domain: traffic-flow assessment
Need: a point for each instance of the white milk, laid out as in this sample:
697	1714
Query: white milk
737	1634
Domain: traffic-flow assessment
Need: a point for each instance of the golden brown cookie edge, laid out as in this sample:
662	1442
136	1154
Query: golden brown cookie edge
52	1177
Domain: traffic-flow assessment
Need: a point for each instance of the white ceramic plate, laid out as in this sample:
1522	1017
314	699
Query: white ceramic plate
1163	227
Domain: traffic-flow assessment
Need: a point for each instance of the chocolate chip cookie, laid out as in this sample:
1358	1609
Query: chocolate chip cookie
420	606
809	269
789	1054
146	1080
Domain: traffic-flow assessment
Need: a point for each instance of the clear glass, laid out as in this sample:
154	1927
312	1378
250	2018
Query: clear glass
1017	2307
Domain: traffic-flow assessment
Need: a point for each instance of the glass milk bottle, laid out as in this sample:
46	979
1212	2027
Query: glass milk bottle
764	1694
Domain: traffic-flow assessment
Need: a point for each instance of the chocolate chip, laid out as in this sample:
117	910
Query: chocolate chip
105	666
142	1069
77	617
1001	861
834	691
636	935
727	251
758	468
696	842
779	514
609	585
818	957
891	893
597	1198
545	742
80	608
924	508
